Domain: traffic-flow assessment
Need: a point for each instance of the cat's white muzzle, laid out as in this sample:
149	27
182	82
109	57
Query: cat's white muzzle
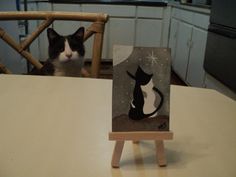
65	57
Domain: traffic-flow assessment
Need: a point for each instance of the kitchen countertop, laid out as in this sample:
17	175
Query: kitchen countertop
191	7
197	5
186	6
115	2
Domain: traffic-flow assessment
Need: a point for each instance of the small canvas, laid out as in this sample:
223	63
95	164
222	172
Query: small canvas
141	89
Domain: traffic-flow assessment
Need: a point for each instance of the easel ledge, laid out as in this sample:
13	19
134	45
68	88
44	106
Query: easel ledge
157	136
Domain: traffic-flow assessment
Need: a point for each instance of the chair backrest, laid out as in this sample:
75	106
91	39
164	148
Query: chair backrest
97	28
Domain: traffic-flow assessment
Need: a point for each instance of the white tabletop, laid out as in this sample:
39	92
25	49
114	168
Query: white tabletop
51	126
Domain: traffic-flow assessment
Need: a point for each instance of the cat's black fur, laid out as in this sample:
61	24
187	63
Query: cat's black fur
56	42
141	78
56	46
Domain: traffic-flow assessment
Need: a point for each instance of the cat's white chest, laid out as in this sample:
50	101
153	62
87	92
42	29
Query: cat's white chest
149	98
58	72
72	68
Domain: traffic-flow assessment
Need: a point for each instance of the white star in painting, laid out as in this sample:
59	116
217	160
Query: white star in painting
152	58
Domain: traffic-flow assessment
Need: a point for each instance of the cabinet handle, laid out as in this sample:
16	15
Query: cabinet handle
175	35
191	44
188	43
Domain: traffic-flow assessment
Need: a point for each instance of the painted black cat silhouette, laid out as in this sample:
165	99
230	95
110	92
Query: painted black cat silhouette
136	107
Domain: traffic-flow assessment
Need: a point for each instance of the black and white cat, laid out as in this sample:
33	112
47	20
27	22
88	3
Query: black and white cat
66	54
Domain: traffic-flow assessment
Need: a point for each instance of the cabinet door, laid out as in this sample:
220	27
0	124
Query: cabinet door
195	76
8	56
111	10
121	32
64	27
173	38
182	49
150	12
148	32
89	42
32	25
43	40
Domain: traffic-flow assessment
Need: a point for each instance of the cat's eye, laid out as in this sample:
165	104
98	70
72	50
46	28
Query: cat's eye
73	46
61	49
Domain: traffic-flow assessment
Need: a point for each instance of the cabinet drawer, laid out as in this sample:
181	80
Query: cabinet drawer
152	38
111	10
174	13
150	12
66	27
184	15
121	33
66	7
201	20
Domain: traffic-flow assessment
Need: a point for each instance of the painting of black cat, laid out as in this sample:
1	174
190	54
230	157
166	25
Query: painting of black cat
141	89
136	111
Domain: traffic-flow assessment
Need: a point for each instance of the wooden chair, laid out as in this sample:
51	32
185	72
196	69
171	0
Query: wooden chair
96	28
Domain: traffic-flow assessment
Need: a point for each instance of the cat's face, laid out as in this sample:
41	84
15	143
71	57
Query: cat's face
66	48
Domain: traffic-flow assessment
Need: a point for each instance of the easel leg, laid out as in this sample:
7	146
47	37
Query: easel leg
117	154
157	136
160	152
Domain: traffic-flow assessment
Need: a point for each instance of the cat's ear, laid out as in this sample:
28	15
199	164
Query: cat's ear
139	69
131	75
52	34
79	34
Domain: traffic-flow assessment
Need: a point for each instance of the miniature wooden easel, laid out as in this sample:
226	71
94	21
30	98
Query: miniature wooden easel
157	136
97	28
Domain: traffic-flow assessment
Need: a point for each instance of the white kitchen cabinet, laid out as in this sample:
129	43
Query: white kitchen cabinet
196	73
201	20
184	15
43	40
112	10
32	25
8	56
173	38
188	35
66	27
121	31
150	12
118	30
152	26
127	25
148	32
39	47
182	49
165	26
89	42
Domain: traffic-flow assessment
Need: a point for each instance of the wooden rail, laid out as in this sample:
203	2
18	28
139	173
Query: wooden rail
40	15
96	29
